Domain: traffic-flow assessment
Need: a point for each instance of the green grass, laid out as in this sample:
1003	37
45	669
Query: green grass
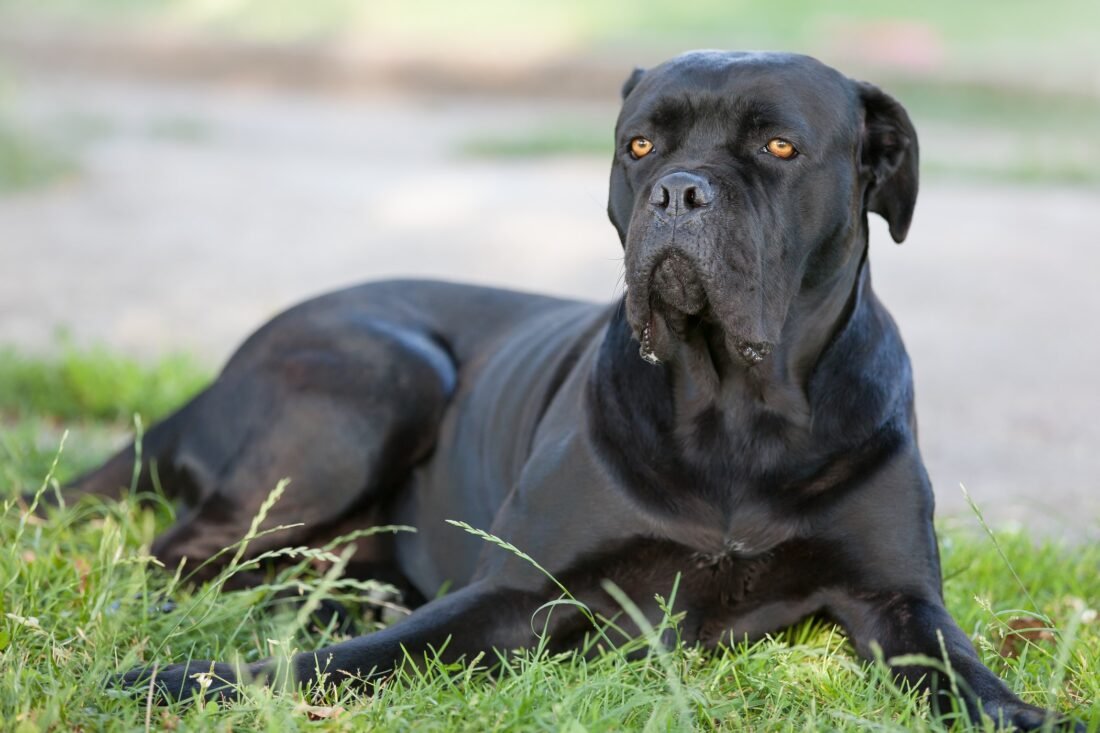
542	141
28	161
80	600
95	384
91	392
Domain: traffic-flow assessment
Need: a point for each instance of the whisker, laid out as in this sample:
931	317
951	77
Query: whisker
620	282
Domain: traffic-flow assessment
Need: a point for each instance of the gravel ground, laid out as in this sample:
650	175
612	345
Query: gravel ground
199	212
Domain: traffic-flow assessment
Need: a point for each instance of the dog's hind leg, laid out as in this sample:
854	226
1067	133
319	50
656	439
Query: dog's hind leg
140	466
344	420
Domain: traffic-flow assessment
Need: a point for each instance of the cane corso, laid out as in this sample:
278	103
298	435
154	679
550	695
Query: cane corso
741	422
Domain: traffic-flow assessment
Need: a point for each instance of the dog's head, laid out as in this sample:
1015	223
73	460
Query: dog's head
740	180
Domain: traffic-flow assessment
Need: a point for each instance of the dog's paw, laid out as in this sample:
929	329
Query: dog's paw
1022	716
206	680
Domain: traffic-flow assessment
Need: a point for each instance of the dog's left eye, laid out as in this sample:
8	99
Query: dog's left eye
781	148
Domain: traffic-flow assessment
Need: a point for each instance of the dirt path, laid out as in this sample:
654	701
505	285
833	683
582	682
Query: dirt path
200	212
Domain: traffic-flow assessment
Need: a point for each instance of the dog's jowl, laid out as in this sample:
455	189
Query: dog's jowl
742	421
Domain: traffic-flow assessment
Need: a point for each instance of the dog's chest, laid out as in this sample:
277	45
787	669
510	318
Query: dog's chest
732	577
748	529
745	538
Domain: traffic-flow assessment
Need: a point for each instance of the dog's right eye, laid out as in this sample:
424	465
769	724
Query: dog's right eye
781	148
640	147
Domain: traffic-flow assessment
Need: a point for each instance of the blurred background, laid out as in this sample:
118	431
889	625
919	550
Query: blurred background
174	172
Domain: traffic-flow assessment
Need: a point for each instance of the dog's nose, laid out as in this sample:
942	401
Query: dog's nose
680	193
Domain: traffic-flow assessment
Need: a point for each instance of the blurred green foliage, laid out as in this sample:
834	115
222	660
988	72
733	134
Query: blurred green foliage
1006	90
95	383
27	160
981	133
971	30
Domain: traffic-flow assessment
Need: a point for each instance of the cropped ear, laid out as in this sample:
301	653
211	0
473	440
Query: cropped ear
632	81
889	159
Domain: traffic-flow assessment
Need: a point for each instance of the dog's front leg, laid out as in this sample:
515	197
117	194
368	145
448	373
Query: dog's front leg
477	618
470	621
903	625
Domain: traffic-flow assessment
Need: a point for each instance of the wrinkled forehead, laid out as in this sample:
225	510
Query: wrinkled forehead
766	90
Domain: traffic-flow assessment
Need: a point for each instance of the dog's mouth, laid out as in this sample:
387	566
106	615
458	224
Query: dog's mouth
645	349
663	333
685	302
668	331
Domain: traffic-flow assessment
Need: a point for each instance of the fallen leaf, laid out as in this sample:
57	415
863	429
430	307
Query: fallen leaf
318	712
82	570
1020	631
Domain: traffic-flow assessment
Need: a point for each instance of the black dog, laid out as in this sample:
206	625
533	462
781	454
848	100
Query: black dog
766	454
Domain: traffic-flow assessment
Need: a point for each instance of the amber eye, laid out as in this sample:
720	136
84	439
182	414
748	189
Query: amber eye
640	147
780	148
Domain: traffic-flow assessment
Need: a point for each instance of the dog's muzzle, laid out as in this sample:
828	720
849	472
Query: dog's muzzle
676	283
671	247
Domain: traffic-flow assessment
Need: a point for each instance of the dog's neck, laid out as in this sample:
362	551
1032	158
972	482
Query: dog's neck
838	374
695	413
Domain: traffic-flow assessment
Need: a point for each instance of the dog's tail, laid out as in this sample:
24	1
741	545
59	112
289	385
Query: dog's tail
137	468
